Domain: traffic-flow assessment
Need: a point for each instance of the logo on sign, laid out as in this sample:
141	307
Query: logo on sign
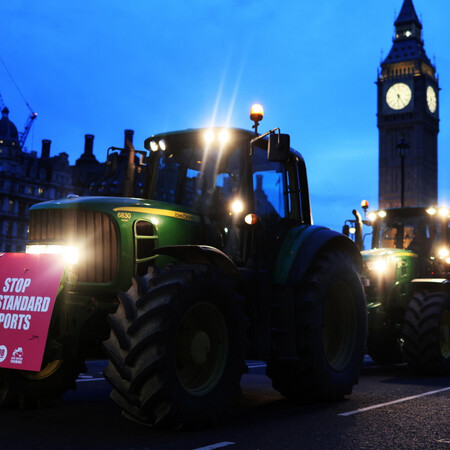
3	353
17	356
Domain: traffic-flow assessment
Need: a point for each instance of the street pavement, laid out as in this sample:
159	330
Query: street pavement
390	408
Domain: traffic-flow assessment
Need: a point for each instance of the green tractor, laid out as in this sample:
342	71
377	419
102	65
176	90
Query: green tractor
214	262
406	277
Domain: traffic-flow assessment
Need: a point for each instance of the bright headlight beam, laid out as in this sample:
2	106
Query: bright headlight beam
224	136
237	206
209	136
69	253
162	145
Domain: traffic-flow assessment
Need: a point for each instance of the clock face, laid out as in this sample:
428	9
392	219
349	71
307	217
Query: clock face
431	99
398	96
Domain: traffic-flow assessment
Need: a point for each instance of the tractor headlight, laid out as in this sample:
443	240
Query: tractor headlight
444	253
237	206
68	252
378	265
160	145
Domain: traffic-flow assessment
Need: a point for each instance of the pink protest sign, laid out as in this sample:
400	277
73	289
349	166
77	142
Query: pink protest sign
28	288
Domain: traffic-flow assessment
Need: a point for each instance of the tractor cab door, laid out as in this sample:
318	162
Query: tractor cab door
277	202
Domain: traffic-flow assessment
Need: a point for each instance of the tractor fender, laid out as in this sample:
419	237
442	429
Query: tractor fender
203	254
301	244
431	284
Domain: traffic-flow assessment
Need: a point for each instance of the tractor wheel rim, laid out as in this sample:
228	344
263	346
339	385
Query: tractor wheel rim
201	349
48	370
339	326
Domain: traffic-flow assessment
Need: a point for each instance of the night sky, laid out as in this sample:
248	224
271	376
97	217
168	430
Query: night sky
100	67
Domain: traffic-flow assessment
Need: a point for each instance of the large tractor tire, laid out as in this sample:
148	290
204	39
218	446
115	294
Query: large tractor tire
427	333
330	315
20	389
177	348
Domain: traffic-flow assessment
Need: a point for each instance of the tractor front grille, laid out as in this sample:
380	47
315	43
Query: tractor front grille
92	232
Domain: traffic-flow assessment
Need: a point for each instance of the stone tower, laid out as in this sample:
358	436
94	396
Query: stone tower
407	118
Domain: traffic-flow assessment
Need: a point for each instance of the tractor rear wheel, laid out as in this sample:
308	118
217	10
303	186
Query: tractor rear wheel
177	348
426	333
330	314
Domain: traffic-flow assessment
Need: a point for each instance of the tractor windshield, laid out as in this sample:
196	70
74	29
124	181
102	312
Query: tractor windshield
421	233
210	177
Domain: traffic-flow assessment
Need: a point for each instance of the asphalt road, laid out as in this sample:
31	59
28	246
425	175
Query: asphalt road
390	408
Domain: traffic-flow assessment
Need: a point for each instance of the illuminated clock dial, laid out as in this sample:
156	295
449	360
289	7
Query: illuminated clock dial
431	99
398	96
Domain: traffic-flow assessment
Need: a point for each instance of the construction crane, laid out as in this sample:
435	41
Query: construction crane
24	134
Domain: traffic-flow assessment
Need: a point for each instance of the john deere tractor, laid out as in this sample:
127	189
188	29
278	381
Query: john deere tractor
214	261
406	276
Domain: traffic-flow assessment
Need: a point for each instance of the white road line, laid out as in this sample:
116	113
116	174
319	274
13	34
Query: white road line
400	400
254	366
79	380
218	445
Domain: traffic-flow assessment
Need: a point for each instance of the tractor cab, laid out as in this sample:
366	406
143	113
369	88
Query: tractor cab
243	187
422	231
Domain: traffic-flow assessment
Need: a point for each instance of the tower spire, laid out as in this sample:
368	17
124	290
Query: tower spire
407	14
407	44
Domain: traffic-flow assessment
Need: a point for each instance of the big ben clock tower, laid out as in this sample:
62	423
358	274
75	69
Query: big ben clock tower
408	118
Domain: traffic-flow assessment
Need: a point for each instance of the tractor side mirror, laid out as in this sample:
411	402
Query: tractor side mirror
278	148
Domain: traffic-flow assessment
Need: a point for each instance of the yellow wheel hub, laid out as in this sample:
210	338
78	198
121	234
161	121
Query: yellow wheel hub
49	369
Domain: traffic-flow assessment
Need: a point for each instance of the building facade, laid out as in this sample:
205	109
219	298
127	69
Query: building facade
408	118
26	179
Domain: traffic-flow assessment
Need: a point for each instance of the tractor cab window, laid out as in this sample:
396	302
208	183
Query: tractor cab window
421	235
178	177
269	187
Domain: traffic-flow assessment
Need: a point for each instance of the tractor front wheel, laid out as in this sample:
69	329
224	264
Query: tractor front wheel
177	348
21	389
426	333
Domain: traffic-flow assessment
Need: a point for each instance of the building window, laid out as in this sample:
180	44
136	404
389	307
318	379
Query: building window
9	228
20	230
22	209
11	206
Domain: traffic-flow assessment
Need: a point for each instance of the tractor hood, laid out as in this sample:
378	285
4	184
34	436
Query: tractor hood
386	253
116	205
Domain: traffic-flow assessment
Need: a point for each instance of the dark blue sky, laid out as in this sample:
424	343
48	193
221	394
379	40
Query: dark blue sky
100	67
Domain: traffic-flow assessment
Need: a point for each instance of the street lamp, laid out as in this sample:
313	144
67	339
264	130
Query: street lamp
402	147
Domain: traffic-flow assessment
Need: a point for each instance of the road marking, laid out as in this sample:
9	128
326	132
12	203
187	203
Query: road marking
79	380
400	400
255	366
218	445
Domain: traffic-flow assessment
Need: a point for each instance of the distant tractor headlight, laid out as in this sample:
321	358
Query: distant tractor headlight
69	253
443	212
443	253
